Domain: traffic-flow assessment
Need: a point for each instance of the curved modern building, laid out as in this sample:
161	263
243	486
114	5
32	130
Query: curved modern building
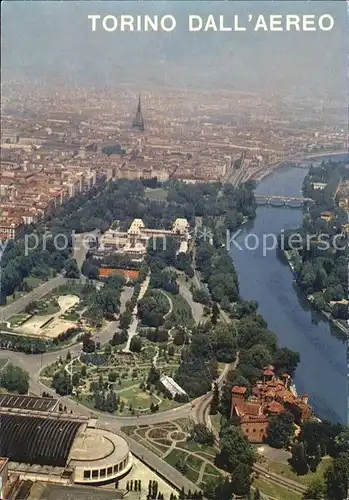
61	448
99	456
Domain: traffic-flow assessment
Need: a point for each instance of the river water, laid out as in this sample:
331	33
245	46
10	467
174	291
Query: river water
322	371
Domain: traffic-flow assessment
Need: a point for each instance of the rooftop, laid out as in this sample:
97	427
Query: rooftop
171	385
37	440
238	389
97	448
27	402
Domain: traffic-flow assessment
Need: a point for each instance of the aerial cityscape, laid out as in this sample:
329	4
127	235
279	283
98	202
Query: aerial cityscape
174	317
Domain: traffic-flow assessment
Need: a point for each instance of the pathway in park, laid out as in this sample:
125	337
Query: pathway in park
132	330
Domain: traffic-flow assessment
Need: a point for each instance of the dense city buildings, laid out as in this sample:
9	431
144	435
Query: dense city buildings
59	144
156	191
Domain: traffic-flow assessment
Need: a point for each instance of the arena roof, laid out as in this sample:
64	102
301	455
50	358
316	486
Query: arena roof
35	440
27	402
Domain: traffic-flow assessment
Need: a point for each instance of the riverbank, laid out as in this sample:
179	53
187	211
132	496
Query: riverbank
339	324
260	175
267	278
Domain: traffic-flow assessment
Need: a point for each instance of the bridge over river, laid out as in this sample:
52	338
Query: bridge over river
277	201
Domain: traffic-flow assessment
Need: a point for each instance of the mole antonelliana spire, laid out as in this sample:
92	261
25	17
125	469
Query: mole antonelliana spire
138	121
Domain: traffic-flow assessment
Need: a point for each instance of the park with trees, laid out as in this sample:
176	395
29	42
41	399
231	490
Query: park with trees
109	380
320	259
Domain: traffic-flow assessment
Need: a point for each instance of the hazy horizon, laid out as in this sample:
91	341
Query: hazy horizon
46	40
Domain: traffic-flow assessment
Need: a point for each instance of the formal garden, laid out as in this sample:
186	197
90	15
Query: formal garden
114	381
190	448
177	444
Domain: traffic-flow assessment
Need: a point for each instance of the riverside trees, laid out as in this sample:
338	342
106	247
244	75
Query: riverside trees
322	267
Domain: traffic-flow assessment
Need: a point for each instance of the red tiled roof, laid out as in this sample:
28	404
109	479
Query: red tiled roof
105	272
274	407
252	408
254	418
238	389
249	409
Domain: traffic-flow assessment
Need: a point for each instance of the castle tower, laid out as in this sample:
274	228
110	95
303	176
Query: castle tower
138	121
305	399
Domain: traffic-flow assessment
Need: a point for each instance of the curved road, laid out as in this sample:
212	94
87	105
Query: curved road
34	363
197	410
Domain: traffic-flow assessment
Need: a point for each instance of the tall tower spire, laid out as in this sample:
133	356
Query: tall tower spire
138	121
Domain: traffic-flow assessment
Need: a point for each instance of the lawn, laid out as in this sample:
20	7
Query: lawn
17	319
159	450
33	281
139	400
156	194
182	459
275	491
175	456
192	465
211	471
141	431
50	308
3	363
70	316
181	313
158	433
196	447
191	474
185	424
125	383
168	404
164	442
286	471
194	462
178	436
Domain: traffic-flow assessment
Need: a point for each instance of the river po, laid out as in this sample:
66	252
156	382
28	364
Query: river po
267	278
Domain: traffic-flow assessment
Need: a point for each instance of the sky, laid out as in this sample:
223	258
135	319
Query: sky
54	39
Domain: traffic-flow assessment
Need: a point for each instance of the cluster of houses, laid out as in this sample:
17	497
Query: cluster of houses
269	398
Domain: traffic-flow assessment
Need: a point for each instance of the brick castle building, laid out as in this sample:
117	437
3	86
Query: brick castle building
269	398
